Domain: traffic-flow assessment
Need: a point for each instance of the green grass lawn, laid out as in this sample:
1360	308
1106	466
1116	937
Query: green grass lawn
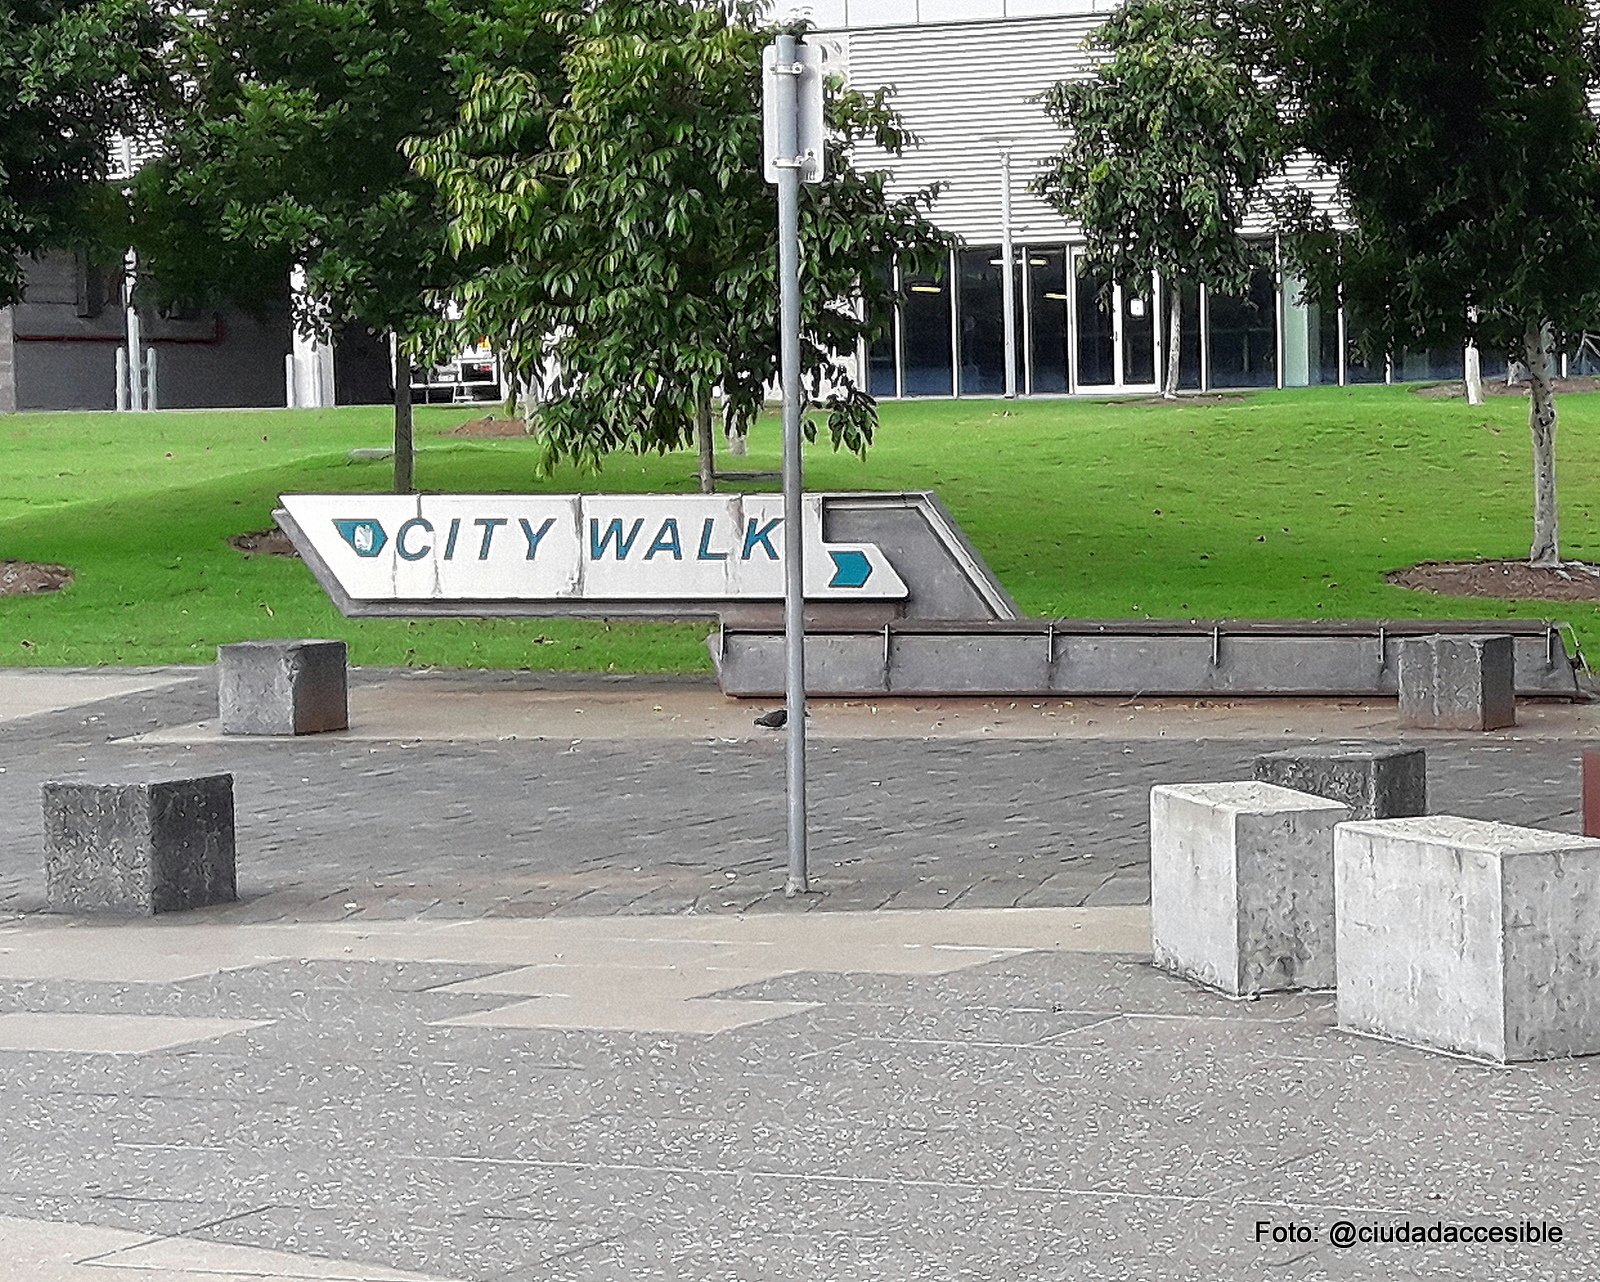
1279	505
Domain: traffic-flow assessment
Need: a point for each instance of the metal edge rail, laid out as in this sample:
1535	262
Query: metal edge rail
1121	657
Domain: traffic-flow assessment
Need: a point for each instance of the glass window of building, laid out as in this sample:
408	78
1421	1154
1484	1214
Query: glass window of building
1138	299
1310	338
1440	363
1096	321
925	318
980	295
1492	364
882	378
1360	365
1243	339
1188	332
1050	334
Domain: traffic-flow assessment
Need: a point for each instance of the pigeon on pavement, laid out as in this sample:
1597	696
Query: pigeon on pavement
774	720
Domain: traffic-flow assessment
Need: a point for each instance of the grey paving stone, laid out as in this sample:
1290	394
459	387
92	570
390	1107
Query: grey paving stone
1141	1143
463	829
1038	1116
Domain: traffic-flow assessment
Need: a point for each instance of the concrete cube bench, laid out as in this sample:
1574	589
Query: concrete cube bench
283	687
140	847
1377	781
1464	935
1241	885
1458	683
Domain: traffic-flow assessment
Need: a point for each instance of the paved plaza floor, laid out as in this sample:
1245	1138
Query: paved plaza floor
511	993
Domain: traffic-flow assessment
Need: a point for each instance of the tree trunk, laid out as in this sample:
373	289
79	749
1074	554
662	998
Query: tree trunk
404	451
702	435
1174	337
1537	344
1474	376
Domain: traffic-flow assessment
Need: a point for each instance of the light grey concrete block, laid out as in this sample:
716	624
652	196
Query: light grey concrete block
1458	683
1465	935
140	847
1377	781
283	687
1241	885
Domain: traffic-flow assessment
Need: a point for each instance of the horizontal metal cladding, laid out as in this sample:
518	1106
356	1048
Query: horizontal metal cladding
964	89
960	89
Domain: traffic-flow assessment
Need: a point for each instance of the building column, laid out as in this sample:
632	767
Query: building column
311	361
1008	283
1297	342
8	362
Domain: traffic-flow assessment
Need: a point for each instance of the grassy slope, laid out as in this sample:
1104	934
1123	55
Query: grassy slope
1282	505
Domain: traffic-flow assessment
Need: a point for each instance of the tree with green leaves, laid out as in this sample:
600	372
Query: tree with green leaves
74	74
286	152
1469	163
626	235
1171	141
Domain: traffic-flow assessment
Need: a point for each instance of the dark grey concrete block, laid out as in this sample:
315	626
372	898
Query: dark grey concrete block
1376	781
283	687
140	847
1458	683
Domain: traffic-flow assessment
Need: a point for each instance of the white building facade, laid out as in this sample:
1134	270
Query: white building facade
1016	311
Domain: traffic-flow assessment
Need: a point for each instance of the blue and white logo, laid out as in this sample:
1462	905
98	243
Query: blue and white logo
366	538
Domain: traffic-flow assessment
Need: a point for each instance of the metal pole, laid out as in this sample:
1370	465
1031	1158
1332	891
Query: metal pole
135	370
1008	286
794	622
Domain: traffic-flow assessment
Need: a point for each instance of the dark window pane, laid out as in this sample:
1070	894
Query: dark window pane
1244	335
1047	304
1096	325
983	334
1414	365
925	317
1492	364
1138	333
880	351
1188	336
1359	367
1326	365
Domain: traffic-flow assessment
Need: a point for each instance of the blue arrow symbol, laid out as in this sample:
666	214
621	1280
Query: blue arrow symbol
851	569
366	538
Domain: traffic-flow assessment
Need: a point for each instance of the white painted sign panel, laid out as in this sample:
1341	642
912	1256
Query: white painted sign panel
589	547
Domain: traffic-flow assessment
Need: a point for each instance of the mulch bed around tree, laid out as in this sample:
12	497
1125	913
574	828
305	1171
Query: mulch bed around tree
273	542
488	428
1502	580
1499	387
22	578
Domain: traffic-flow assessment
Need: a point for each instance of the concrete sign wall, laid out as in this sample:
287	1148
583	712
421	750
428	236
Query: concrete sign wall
593	548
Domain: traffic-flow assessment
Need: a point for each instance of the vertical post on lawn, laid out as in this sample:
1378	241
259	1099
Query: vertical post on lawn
787	146
1008	284
135	339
